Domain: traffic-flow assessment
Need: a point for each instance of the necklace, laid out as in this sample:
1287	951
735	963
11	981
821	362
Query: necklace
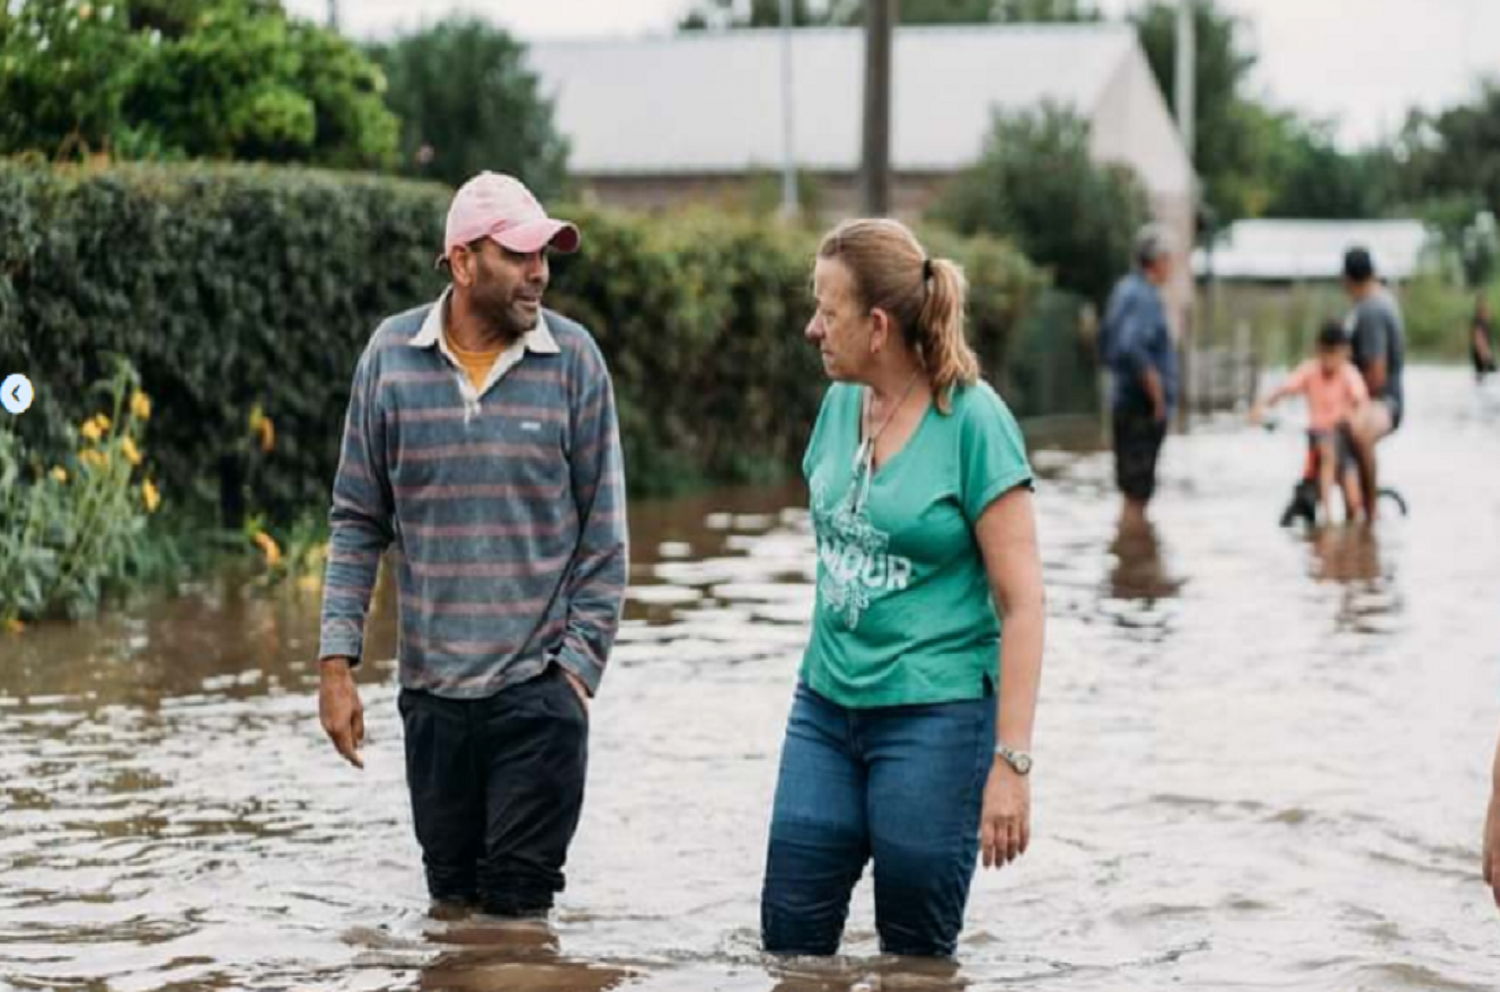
867	446
864	455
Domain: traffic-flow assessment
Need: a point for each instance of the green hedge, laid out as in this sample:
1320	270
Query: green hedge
225	287
231	287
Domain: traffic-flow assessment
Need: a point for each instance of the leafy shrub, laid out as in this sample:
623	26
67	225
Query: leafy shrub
233	288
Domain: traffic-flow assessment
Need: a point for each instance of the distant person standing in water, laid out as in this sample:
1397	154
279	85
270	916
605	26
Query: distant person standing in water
908	739
1482	339
1136	345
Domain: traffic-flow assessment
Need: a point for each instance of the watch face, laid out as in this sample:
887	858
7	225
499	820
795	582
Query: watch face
1023	764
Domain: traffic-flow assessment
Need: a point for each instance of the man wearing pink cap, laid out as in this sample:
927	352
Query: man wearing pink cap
482	443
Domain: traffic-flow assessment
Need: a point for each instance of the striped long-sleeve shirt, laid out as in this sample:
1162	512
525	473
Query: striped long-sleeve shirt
505	505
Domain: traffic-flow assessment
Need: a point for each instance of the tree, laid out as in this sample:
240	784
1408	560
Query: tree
66	74
992	11
1455	153
467	103
225	79
1310	176
719	14
1230	134
1036	184
1479	250
714	15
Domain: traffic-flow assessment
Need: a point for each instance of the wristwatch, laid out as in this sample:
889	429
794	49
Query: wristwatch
1019	761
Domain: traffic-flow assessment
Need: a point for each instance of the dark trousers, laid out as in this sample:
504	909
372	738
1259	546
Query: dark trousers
496	791
1138	438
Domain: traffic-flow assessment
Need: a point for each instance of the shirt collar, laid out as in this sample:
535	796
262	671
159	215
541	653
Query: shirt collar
539	339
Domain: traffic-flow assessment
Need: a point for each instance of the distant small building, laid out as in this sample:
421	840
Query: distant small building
1265	285
697	116
1288	251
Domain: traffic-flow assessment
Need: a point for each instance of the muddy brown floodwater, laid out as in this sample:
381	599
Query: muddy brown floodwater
1262	761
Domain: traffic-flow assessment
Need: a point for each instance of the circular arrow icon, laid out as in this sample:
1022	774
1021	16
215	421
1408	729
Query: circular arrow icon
15	393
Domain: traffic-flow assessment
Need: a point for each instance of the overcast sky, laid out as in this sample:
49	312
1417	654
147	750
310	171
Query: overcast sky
1363	62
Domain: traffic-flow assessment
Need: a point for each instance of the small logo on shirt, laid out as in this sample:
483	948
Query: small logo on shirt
531	425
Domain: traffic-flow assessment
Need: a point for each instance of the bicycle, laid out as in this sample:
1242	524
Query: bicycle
1304	502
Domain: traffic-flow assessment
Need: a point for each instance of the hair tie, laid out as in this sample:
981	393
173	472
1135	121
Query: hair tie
926	269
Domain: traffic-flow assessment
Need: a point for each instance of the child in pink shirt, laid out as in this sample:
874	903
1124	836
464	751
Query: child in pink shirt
1335	390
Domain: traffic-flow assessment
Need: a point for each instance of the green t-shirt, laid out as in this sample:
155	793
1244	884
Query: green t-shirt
904	610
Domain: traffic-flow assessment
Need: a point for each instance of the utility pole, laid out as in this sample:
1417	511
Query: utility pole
789	205
875	165
1185	78
1185	73
333	15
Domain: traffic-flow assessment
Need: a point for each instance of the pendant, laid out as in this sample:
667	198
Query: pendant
862	454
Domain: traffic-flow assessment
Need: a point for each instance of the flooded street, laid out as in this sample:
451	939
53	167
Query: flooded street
1262	761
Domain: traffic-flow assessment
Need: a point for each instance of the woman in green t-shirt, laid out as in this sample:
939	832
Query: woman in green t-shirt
921	504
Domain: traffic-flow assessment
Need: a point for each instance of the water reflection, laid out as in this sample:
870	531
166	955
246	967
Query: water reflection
1349	560
812	975
1348	554
496	956
1140	571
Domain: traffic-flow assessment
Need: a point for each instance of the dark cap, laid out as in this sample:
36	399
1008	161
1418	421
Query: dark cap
1358	266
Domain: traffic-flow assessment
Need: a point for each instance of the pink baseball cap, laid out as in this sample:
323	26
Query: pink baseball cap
500	207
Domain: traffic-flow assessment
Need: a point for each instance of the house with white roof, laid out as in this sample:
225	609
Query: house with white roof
1291	251
1266	285
697	116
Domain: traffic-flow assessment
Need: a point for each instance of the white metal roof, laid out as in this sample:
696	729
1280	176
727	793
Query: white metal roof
1295	250
710	102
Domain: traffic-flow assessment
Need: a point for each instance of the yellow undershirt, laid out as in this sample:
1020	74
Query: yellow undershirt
476	364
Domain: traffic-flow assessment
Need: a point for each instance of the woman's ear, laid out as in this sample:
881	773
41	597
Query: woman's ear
880	330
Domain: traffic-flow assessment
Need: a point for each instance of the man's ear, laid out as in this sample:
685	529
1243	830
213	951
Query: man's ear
461	263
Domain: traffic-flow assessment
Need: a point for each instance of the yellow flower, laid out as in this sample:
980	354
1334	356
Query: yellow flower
262	427
93	457
13	625
140	406
131	452
91	430
269	548
59	474
150	496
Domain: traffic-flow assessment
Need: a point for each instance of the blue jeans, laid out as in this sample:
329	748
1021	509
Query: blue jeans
900	784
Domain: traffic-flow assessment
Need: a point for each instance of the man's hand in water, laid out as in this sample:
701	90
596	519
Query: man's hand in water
339	709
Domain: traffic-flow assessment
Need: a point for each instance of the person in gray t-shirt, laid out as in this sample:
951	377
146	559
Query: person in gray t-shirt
1378	337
